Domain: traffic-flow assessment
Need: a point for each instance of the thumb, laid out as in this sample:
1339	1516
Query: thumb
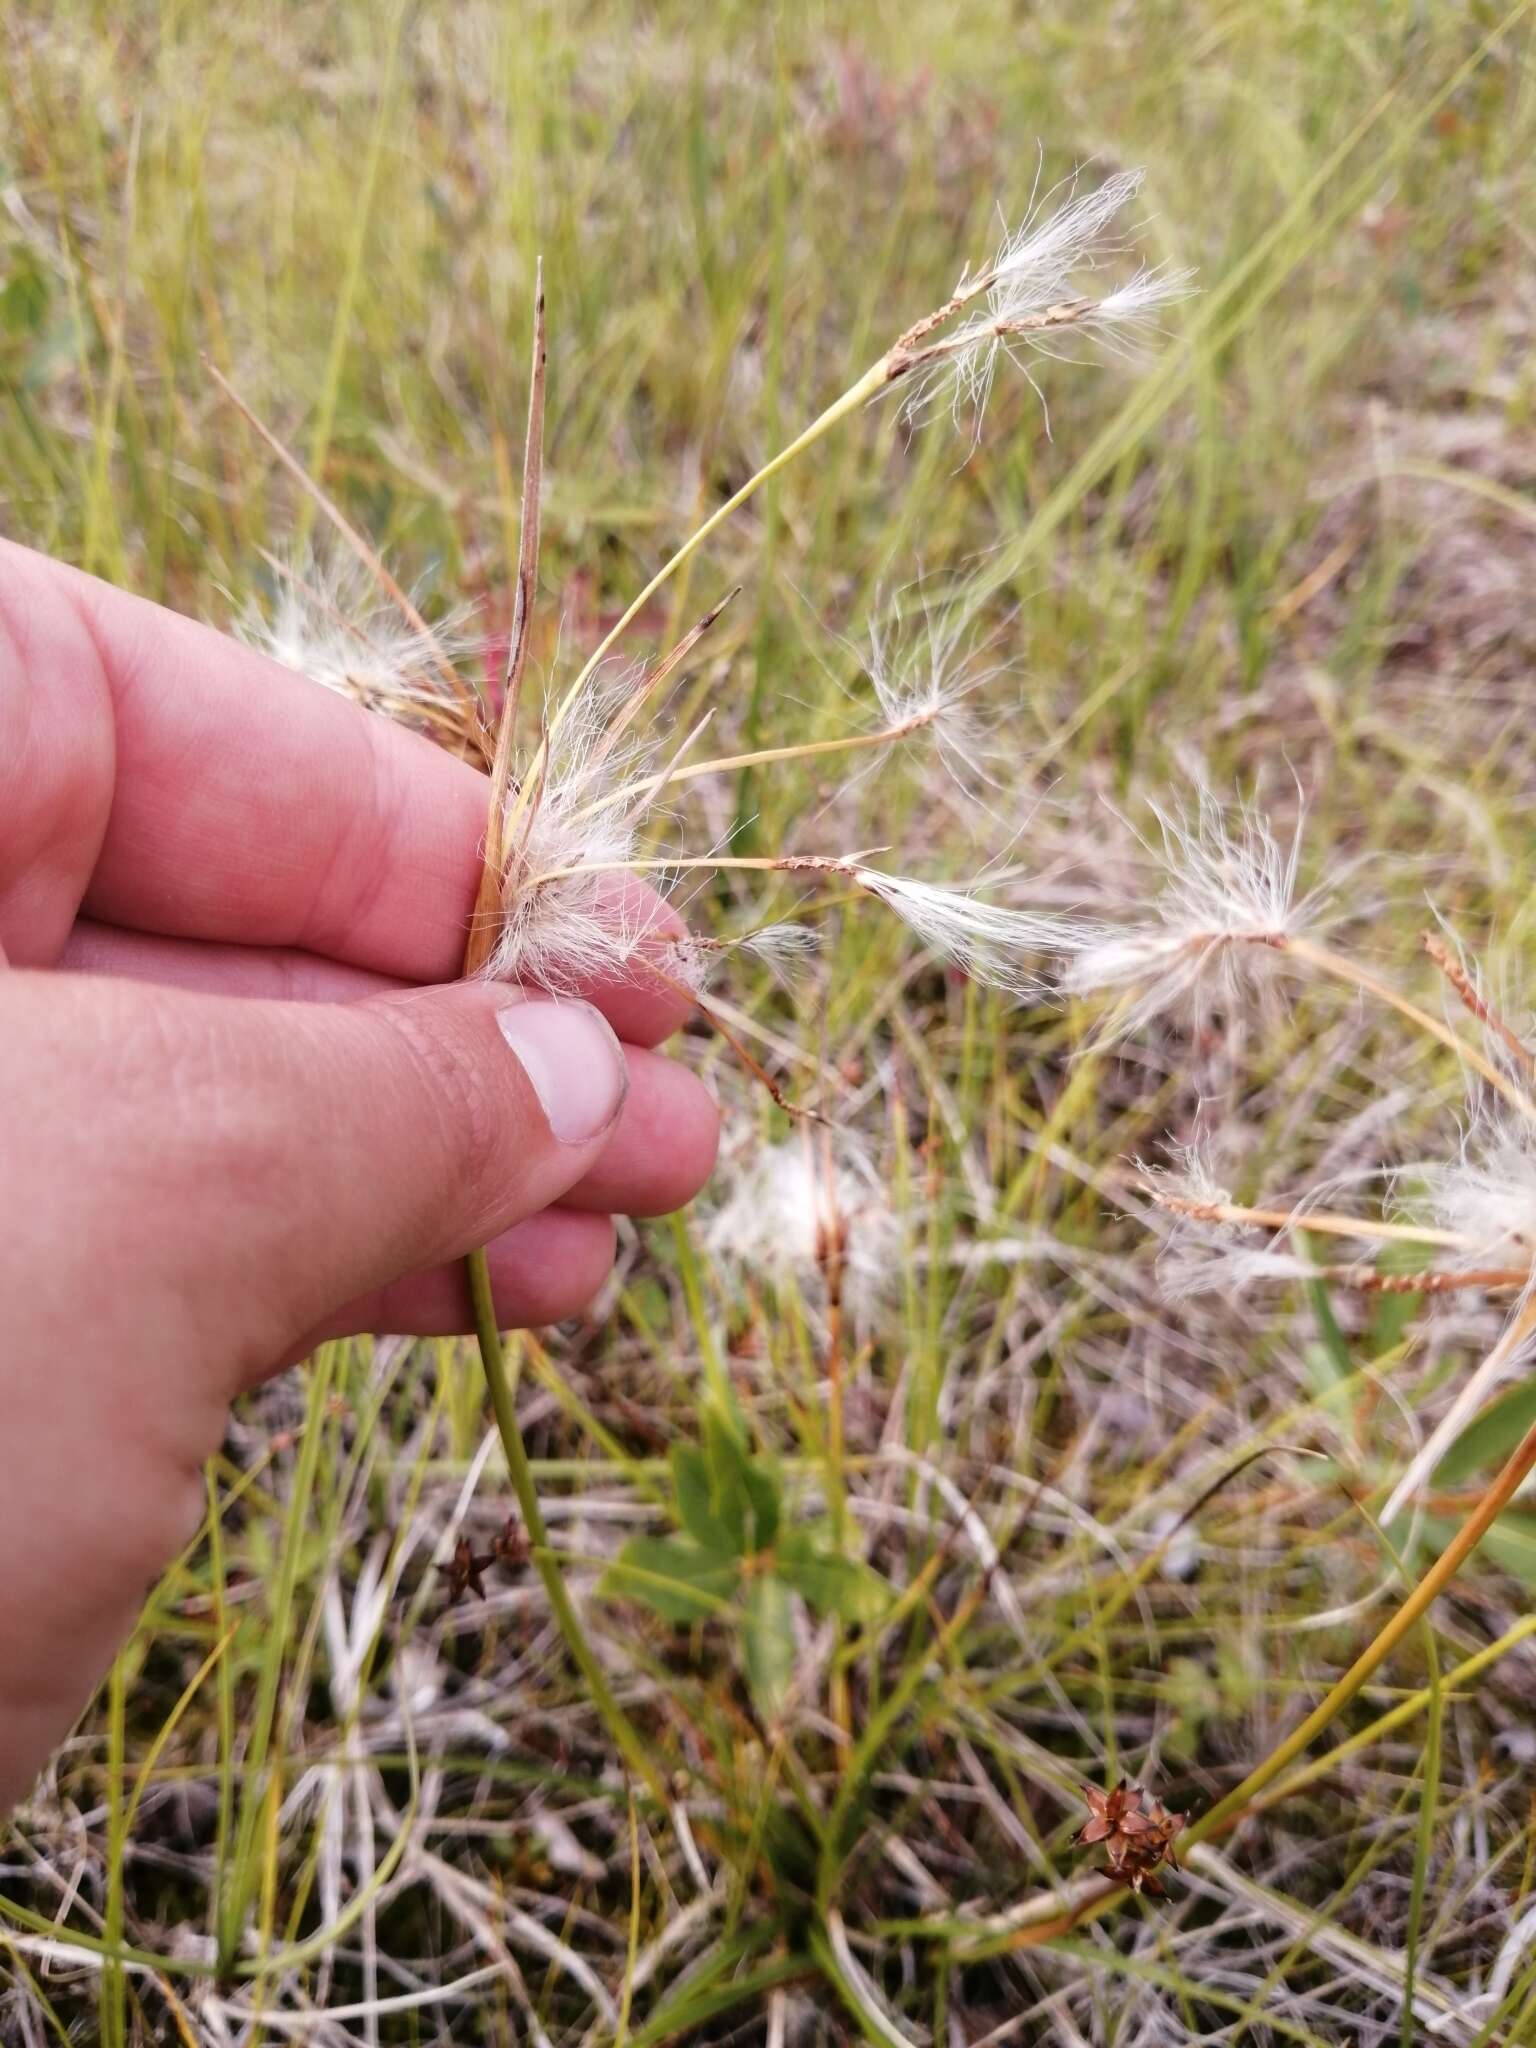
189	1182
236	1169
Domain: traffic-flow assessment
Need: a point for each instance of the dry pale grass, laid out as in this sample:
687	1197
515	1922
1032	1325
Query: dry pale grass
1054	1526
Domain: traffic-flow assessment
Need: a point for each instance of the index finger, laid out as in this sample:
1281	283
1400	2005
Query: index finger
251	805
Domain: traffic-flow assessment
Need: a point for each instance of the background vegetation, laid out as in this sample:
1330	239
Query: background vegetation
1293	547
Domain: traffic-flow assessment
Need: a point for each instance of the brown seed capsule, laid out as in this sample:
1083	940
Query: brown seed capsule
1114	1816
1138	1834
509	1546
463	1570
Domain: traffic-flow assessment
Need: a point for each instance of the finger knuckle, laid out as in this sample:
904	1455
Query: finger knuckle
463	1122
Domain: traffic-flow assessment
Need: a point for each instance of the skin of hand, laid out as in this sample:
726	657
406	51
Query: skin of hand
243	1105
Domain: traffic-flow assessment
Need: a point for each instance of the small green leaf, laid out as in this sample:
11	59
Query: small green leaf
678	1578
828	1582
1511	1542
761	1482
1491	1435
1328	1360
697	1506
768	1641
744	1490
24	295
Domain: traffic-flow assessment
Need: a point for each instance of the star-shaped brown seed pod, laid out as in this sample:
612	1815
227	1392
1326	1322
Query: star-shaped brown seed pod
463	1571
1138	1834
1115	1817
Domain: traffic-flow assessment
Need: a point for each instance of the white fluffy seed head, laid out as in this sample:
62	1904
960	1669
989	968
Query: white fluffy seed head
927	673
570	829
1204	1254
810	1208
329	621
1488	1191
993	944
1228	905
1037	260
1039	267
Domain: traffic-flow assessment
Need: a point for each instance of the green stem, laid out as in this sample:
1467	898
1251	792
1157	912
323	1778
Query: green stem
1434	1582
264	1715
874	379
497	1379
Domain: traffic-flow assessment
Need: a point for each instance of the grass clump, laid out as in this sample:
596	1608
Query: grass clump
1103	1352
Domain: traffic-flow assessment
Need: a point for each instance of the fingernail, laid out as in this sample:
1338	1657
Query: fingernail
575	1063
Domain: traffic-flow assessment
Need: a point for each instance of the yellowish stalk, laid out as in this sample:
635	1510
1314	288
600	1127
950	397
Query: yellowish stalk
1342	968
760	757
874	379
1433	1583
1326	1222
758	863
1394	1718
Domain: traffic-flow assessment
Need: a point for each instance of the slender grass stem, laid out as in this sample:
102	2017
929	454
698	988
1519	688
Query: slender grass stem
114	2026
1470	1397
1228	1811
867	1750
1498	1496
758	757
1249	1796
254	1792
864	388
1325	1222
873	380
498	1381
1338	965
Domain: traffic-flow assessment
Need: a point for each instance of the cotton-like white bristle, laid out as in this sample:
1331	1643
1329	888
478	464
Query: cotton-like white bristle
926	674
1203	1252
1189	1175
1487	1193
1227	905
1037	272
993	944
567	918
329	621
1131	310
787	1208
783	948
1036	261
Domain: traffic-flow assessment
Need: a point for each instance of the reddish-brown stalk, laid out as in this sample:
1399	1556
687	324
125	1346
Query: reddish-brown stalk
1480	1007
354	540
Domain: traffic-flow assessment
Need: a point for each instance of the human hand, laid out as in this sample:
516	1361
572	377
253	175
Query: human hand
236	1115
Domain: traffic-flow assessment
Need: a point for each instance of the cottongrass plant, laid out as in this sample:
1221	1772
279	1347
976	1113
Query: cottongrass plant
570	808
1229	915
567	810
578	807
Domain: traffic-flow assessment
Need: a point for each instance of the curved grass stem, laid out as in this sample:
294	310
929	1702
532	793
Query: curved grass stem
1341	968
1245	1797
493	1358
1472	1531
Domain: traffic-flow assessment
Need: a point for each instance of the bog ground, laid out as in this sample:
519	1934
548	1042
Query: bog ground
928	1473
